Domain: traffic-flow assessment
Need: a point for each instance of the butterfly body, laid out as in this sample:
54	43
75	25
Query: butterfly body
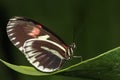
42	48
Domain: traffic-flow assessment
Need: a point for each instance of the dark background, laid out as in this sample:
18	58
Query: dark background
94	25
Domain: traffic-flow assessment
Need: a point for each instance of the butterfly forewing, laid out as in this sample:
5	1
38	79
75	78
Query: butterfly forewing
42	48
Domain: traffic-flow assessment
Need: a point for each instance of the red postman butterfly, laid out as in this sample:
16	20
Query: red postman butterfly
42	48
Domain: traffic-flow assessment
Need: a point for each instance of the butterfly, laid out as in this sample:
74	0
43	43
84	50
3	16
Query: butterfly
43	49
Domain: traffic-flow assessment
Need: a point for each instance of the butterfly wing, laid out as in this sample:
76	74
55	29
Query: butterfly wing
44	55
42	48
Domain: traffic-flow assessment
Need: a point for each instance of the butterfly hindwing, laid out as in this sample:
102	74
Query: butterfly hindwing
39	53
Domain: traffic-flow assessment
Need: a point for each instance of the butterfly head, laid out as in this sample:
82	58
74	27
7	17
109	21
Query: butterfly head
70	50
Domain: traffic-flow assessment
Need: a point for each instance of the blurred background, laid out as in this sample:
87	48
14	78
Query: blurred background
94	25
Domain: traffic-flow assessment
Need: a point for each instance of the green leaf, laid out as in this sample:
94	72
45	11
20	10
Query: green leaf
24	69
102	67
